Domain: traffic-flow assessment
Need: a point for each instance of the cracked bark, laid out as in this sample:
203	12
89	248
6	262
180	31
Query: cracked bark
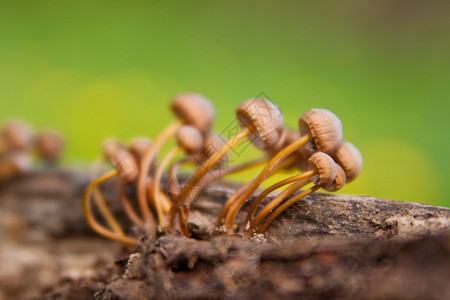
325	246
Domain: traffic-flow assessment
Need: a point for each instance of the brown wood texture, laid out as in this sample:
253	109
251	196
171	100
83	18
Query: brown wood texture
325	246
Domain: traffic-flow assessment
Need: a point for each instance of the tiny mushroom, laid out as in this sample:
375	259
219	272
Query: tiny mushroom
319	127
15	135
324	172
350	159
191	109
49	145
190	140
126	167
14	164
138	147
260	121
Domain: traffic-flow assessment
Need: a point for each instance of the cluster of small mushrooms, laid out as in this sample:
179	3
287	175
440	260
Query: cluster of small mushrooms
316	150
20	146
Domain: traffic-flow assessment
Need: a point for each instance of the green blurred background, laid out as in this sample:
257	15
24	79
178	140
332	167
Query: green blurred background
109	68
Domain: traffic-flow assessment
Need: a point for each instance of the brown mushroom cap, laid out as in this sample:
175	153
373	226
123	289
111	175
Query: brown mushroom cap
111	146
189	139
264	119
338	182
280	144
325	128
15	164
212	144
325	166
194	109
350	159
138	146
16	135
126	165
49	144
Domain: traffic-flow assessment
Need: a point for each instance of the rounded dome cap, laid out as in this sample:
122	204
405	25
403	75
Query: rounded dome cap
138	146
350	159
16	135
194	109
338	182
126	165
189	139
49	144
325	128
325	166
264	119
111	146
15	164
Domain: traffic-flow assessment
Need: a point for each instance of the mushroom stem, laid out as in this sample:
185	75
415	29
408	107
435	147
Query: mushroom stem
183	219
272	188
284	206
255	183
100	202
132	215
87	210
173	183
202	169
229	203
157	199
188	191
146	164
245	166
274	202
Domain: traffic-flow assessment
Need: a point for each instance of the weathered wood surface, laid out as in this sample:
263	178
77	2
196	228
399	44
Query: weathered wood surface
325	246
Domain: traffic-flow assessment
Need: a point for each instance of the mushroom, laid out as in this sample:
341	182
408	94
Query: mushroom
49	145
138	146
189	140
350	159
322	173
335	185
319	127
15	135
13	165
191	109
92	222
260	120
126	167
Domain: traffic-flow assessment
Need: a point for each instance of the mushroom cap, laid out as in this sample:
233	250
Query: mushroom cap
280	144
189	139
14	164
350	159
126	165
194	109
138	146
325	128
17	135
338	182
264	119
325	166
213	142
111	146
49	144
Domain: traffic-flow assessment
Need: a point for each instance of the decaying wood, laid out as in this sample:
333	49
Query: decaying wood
325	246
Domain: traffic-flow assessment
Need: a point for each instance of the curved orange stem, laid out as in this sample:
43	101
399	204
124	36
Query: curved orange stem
255	183
272	188
87	210
146	164
284	206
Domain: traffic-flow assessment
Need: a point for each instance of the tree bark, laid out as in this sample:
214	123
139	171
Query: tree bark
325	246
